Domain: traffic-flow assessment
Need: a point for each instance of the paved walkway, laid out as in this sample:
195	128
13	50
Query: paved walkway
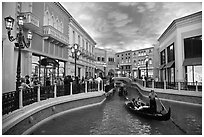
171	91
194	97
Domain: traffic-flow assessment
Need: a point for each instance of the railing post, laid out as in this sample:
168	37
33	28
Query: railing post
102	85
70	88
152	84
38	92
86	86
196	85
55	90
145	84
98	85
20	97
164	84
179	86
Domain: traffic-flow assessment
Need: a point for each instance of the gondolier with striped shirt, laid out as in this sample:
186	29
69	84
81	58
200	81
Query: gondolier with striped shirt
153	105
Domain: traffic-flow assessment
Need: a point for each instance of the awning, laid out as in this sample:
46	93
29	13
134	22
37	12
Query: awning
162	66
192	61
168	65
48	61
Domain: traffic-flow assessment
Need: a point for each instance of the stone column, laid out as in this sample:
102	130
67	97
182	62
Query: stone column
20	97
196	85
86	86
179	86
98	85
38	92
55	90
70	88
164	84
152	84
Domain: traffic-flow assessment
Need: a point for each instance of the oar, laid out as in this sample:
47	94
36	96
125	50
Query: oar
172	118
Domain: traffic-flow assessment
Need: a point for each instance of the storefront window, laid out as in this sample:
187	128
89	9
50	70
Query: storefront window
194	73
193	47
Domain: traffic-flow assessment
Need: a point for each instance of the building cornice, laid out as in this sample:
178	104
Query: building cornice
76	24
62	8
143	49
181	22
123	52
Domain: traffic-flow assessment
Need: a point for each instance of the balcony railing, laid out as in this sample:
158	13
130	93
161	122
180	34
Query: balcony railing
31	22
54	34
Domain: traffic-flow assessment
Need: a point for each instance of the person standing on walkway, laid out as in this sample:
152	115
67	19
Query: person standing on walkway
153	105
27	81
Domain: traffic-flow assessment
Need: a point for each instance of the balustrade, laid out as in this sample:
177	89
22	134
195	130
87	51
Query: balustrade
14	100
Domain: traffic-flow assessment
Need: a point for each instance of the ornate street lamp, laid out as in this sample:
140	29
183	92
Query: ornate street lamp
146	62
138	66
75	54
21	43
104	67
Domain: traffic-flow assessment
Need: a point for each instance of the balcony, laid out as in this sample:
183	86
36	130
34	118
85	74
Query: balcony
55	36
31	22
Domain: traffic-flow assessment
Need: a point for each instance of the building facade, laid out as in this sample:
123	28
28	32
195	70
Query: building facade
142	63
111	62
180	50
124	63
85	64
48	55
101	62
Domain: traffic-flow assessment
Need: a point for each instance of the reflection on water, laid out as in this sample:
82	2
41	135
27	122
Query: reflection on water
112	118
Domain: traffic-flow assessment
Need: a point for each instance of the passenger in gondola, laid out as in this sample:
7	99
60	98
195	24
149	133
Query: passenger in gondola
153	105
125	92
139	101
134	102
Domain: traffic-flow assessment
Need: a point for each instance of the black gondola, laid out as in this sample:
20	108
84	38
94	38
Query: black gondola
144	111
122	91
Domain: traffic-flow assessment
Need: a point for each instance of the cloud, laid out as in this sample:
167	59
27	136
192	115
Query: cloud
128	25
128	3
150	5
85	17
141	9
119	19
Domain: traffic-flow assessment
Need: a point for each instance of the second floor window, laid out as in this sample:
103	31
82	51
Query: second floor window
163	57
170	53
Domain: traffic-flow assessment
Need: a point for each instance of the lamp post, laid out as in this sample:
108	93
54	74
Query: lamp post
104	67
138	70
146	62
75	54
21	42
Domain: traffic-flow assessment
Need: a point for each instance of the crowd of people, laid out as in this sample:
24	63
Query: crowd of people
28	82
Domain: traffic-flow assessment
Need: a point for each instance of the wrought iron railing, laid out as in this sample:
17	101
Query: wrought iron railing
159	85
11	100
172	85
30	96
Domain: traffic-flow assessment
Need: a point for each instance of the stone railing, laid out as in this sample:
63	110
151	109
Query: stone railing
188	86
14	100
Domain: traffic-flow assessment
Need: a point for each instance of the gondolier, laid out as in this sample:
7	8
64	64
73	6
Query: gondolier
153	105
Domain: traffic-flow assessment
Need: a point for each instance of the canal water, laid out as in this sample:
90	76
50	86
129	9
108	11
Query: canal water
112	118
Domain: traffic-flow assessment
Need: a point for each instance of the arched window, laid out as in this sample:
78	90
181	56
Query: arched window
46	18
51	21
57	26
55	23
61	27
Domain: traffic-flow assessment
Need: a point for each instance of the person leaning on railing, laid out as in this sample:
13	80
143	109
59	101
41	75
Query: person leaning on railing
24	86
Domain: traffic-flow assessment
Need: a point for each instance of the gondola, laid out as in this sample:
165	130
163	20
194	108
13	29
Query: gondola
122	91
144	111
